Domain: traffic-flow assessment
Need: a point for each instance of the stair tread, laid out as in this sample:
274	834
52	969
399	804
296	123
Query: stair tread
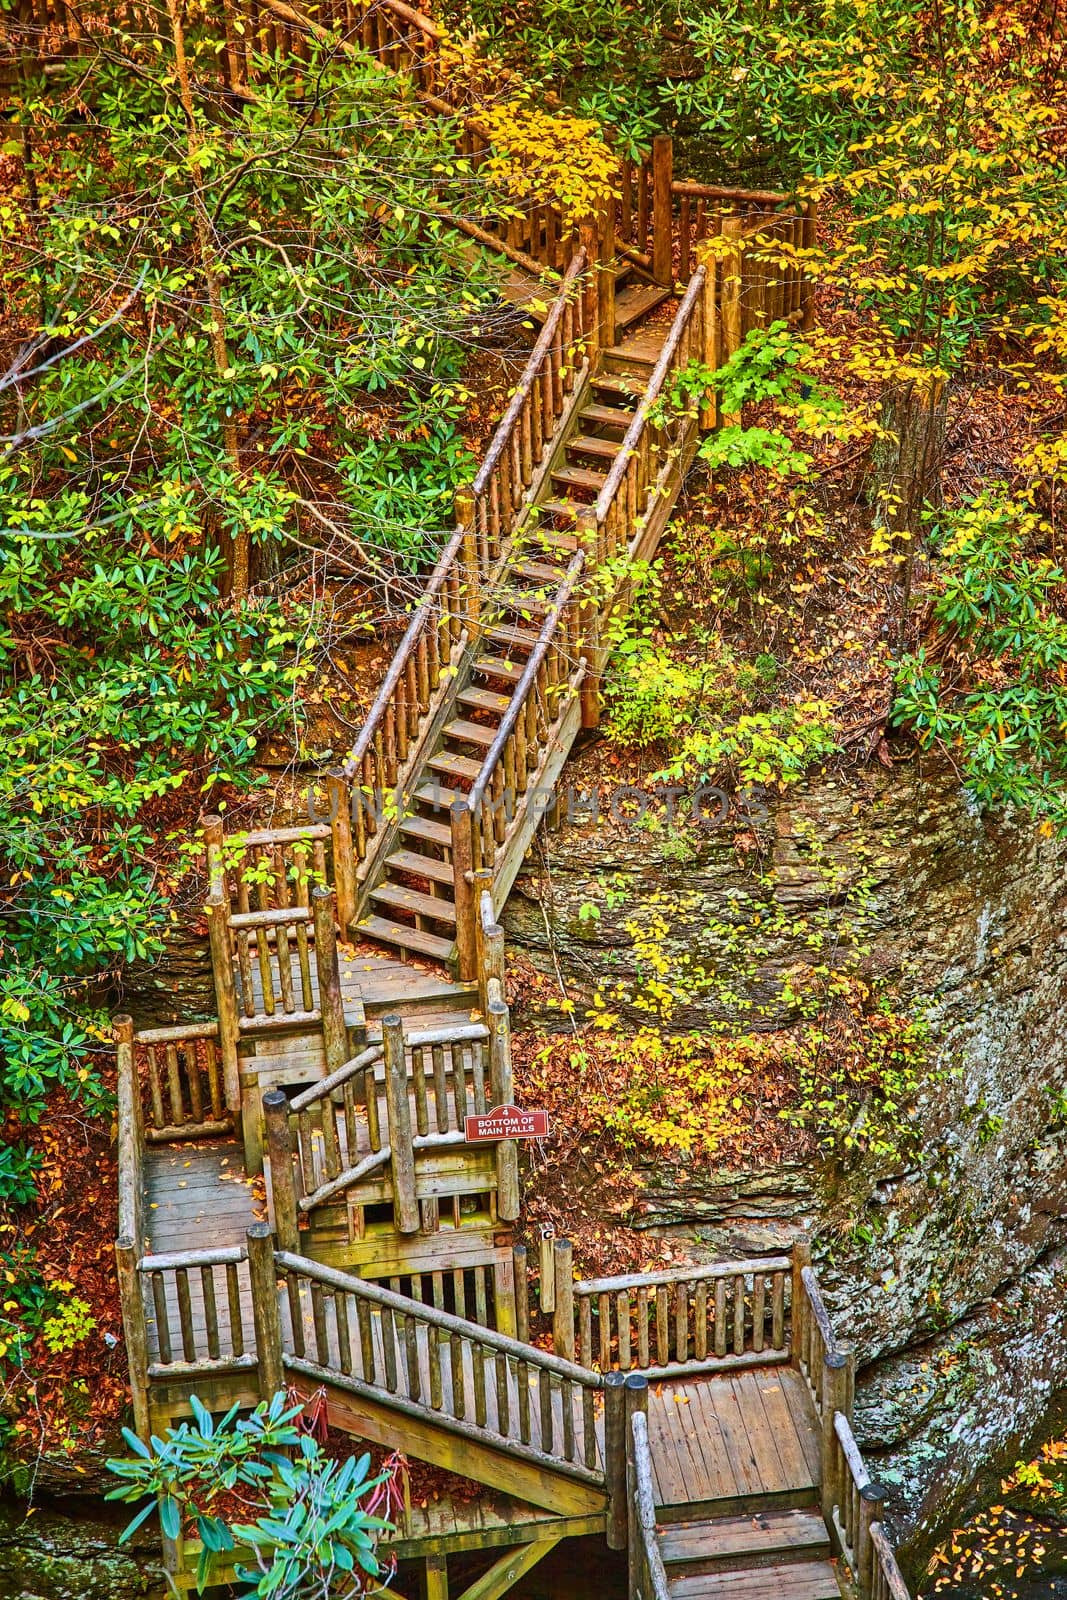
449	761
497	667
559	508
419	865
606	416
424	905
528	599
429	832
585	444
472	732
764	1532
636	301
484	700
538	570
398	933
805	1580
438	795
580	477
624	383
523	638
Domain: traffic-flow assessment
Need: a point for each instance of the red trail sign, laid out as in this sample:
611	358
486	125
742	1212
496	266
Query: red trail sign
506	1122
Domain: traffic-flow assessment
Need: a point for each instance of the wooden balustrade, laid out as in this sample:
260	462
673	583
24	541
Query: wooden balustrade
694	1319
181	1082
814	1339
886	1581
200	1319
854	1516
518	445
427	1362
617	519
549	681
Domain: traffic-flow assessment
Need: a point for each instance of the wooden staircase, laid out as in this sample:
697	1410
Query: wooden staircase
750	1556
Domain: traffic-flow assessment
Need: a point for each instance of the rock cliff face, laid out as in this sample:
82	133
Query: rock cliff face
950	1276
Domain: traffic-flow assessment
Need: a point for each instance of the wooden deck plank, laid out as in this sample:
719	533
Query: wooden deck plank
809	1580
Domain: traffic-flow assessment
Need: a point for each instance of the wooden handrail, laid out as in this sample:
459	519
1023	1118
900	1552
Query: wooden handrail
176	1033
645	1508
819	1311
181	1260
711	191
893	1586
476	797
502	433
656	381
320	1091
398	665
716	1269
443	1321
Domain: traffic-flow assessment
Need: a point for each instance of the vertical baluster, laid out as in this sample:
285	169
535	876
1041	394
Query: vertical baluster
759	1290
174	1088
367	1355
544	1397
604	1310
681	1322
477	1051
739	1315
211	1313
567	1398
214	1082
159	1303
185	1313
370	1101
190	1055
459	1382
643	1310
389	1349
778	1311
159	1116
622	1314
503	1399
585	1330
418	1079
700	1321
720	1316
588	1429
478	1365
522	1382
233	1305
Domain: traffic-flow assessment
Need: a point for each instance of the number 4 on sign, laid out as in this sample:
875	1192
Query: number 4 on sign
506	1122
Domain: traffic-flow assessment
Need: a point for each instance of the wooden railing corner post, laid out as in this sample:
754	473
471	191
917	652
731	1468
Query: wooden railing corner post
834	1399
282	1170
872	1500
563	1310
662	210
220	940
798	1301
265	1314
520	1271
606	274
331	1002
135	1330
507	1150
401	1149
344	861
615	1459
546	1262
463	892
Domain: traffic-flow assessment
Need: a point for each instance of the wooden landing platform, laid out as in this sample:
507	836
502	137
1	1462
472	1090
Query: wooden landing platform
197	1197
449	1527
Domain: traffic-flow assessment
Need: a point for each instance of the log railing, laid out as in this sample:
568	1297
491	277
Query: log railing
647	1573
549	682
814	1340
853	1505
528	425
339	1133
200	1316
627	495
432	1365
182	1086
693	1319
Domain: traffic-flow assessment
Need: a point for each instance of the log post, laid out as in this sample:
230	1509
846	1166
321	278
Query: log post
344	860
436	1567
494	961
282	1171
401	1150
464	513
331	1004
731	297
872	1499
135	1332
214	843
219	939
807	286
798	1303
563	1314
589	234
265	1316
463	892
521	1274
547	1285
834	1399
662	210
507	1151
482	886
636	1399
615	1458
606	275
707	259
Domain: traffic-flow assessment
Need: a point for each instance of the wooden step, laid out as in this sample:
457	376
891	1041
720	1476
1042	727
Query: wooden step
454	765
532	600
439	796
429	832
484	700
629	384
419	866
607	417
580	478
584	444
766	1538
405	938
516	638
807	1580
555	508
436	907
636	301
497	667
538	571
464	732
